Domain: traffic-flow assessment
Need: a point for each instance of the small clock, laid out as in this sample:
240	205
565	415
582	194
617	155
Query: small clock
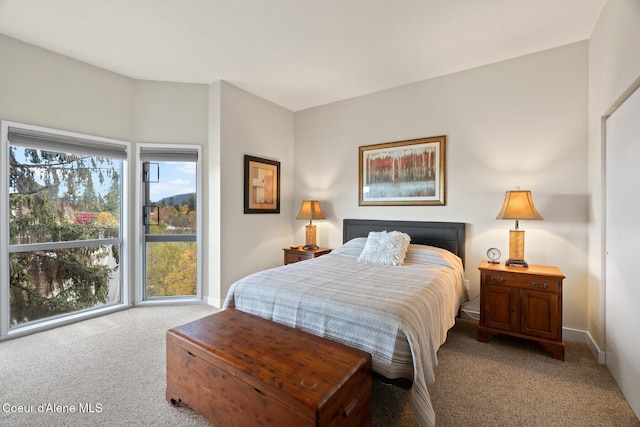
494	255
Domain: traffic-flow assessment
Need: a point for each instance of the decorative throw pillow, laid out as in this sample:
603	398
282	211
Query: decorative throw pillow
385	248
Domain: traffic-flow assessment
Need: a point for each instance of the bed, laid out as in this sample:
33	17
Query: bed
400	314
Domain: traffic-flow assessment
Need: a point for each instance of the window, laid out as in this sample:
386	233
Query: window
170	222
62	201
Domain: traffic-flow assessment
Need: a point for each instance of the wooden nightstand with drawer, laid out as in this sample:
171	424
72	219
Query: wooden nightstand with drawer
522	302
292	255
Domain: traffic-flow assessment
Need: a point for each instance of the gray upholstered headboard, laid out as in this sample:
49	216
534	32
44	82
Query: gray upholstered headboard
446	235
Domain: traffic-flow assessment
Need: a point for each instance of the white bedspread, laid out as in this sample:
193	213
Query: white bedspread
398	314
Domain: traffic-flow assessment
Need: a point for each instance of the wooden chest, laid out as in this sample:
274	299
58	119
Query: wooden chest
238	369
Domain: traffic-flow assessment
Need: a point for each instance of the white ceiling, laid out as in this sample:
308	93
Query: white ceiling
297	53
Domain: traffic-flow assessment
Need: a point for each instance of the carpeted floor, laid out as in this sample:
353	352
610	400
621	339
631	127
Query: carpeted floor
514	382
110	371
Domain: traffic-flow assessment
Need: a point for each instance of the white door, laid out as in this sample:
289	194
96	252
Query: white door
622	312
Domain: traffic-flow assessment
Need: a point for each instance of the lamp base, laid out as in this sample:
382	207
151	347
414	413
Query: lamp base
516	263
516	248
310	236
310	247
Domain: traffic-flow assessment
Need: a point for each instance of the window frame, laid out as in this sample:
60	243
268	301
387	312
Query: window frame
84	143
160	150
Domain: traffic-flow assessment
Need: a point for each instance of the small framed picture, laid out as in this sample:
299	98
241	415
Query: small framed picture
408	172
261	185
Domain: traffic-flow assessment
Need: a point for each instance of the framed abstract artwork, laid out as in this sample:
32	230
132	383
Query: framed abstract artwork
261	185
400	173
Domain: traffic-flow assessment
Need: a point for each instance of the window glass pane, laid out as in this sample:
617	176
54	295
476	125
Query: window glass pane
54	282
59	197
172	195
171	269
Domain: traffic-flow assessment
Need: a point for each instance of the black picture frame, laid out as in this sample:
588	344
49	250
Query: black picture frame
261	185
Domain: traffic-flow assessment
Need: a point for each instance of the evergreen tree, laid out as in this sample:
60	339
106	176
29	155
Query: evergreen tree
89	199
43	203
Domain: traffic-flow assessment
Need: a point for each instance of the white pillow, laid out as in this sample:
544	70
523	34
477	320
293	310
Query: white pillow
385	248
423	254
352	248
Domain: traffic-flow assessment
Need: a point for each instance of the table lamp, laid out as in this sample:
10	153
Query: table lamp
310	210
518	205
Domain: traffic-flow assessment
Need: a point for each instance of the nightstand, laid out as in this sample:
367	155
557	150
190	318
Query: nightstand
522	302
299	254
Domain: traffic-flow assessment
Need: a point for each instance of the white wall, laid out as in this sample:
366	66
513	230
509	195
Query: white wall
243	123
212	191
614	65
174	113
40	87
521	122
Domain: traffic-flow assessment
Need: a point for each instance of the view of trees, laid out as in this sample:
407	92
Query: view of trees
416	164
61	197
171	266
48	194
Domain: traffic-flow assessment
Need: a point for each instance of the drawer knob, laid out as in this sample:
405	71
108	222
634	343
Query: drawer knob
537	285
497	279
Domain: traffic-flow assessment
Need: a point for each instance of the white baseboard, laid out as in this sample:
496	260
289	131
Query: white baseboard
217	303
584	336
470	314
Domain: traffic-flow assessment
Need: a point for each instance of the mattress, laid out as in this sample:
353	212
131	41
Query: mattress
400	314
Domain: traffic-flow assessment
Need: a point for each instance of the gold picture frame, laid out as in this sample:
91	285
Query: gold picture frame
403	173
261	185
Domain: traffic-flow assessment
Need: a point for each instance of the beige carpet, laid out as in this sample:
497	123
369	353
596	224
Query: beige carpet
110	371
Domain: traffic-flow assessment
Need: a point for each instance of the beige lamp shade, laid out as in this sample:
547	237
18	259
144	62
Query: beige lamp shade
310	210
518	205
